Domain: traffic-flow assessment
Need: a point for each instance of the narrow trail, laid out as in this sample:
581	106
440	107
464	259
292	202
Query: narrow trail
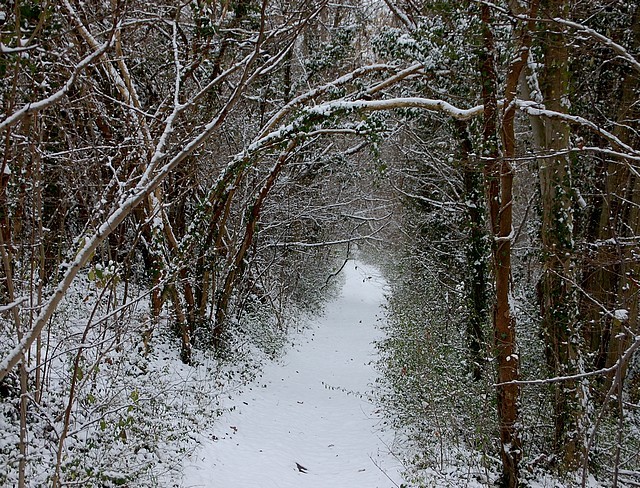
310	409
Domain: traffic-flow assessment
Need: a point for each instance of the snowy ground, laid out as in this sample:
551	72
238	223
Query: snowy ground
311	408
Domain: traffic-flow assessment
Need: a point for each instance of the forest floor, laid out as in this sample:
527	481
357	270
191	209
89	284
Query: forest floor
309	420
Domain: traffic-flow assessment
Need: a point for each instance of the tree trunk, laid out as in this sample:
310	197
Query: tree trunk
476	251
498	182
557	294
237	266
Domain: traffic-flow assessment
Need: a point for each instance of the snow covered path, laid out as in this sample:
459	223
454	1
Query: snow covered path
307	409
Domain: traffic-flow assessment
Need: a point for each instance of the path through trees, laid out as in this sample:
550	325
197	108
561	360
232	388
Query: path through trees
311	409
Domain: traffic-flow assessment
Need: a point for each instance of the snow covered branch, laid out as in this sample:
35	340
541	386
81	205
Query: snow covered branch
622	360
34	107
604	40
536	109
431	105
578	27
331	108
311	94
10	306
337	242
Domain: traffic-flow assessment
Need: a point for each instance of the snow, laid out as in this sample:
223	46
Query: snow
622	315
311	408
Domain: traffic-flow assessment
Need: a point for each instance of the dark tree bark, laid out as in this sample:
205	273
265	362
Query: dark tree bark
557	293
499	184
476	251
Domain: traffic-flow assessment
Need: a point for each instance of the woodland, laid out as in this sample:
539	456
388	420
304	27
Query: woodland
183	179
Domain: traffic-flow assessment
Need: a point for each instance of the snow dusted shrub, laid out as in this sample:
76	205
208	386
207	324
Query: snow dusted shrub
9	425
428	388
111	412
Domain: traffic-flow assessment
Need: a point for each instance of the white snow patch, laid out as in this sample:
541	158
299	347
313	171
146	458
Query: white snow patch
621	314
309	422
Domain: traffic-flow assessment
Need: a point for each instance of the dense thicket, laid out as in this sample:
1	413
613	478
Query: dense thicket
558	181
177	175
